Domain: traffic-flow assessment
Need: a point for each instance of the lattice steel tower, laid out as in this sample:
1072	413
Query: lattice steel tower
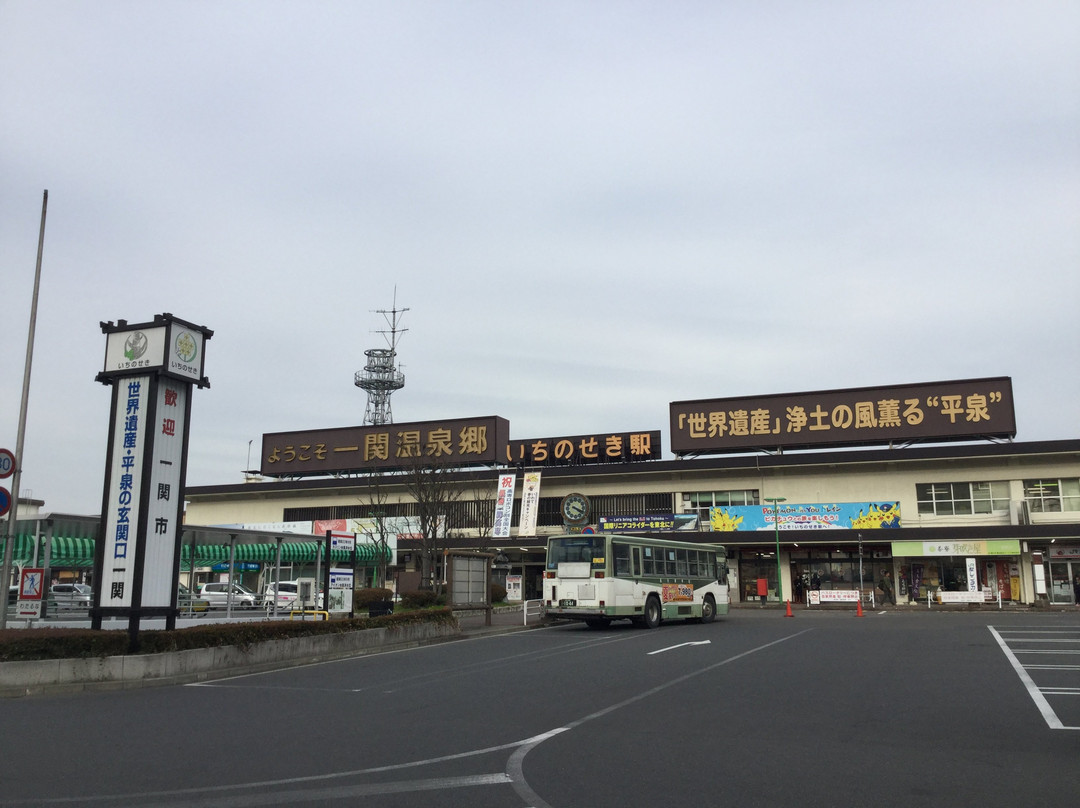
381	376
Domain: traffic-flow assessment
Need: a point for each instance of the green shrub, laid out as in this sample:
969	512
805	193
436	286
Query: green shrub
362	598
420	599
66	643
498	593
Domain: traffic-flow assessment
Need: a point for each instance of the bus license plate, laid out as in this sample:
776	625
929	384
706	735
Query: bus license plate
565	603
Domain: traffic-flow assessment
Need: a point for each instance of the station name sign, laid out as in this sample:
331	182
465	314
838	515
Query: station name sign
168	345
967	409
462	441
580	450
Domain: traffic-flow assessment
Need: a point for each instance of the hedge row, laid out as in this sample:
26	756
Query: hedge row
66	643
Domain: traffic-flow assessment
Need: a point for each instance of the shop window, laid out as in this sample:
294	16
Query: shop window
1052	496
947	499
699	502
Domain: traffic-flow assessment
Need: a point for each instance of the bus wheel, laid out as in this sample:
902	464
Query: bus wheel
708	610
598	622
652	612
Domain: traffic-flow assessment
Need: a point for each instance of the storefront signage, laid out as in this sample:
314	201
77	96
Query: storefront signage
238	566
459	442
648	523
834	516
918	549
582	450
966	409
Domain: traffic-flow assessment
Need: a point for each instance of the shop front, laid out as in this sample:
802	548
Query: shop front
1063	574
927	568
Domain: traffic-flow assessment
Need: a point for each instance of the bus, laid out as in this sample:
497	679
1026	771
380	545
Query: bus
602	577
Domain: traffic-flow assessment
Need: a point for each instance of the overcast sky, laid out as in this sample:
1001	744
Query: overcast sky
589	209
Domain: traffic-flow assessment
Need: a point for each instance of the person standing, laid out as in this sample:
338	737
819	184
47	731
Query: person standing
1076	589
886	586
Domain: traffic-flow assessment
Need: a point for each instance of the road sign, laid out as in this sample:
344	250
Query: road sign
5	501
7	463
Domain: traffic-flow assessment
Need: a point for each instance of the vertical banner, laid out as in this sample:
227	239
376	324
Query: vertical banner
124	490
504	506
530	503
163	510
973	575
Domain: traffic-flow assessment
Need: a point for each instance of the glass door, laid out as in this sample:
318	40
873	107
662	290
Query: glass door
1060	587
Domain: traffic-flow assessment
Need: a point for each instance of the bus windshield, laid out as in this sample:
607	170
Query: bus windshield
576	548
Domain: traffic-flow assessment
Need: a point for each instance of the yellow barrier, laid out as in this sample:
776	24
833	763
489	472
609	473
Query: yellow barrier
316	612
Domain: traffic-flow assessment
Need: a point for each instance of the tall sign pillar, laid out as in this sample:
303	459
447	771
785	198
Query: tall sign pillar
152	368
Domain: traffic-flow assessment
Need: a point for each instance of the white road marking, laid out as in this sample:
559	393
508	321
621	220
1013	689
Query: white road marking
680	645
1033	690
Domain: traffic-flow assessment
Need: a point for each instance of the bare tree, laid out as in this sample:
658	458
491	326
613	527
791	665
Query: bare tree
376	524
434	495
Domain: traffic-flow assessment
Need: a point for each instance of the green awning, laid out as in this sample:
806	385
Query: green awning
73	541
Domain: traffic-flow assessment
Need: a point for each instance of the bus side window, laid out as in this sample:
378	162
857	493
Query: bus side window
621	553
637	561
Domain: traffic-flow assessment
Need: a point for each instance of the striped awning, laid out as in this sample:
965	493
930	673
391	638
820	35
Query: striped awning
74	539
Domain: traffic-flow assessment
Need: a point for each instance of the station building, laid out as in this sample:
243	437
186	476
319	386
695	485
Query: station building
811	493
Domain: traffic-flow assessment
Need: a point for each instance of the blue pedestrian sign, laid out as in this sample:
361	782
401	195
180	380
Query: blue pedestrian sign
5	501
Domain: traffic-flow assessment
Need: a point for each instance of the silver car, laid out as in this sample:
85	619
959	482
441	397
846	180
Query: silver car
71	596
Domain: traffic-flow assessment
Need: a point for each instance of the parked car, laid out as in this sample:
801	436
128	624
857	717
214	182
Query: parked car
71	596
188	601
217	595
284	594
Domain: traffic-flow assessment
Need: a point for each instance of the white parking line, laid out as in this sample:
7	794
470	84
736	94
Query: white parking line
1037	695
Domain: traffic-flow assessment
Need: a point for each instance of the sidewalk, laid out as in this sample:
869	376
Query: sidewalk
504	619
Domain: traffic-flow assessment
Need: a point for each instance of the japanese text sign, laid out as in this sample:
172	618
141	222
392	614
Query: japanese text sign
941	411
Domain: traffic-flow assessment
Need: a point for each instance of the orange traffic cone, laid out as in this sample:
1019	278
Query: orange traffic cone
858	611
789	614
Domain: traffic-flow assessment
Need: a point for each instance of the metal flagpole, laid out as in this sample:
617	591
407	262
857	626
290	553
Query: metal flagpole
9	539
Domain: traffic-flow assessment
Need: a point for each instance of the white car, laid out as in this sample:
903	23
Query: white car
284	595
217	595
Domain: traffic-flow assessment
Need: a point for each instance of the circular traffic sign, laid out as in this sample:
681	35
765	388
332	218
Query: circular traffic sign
7	463
5	501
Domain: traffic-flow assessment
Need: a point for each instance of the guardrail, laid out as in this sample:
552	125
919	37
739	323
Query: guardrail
314	612
525	610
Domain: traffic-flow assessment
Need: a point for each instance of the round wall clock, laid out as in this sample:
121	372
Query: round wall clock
575	509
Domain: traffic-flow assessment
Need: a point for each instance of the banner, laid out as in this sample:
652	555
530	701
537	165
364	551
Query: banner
504	506
666	522
530	503
835	516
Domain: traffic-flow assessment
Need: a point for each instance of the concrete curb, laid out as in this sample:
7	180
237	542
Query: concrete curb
54	676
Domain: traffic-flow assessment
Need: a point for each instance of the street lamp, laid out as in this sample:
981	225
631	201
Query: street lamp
776	524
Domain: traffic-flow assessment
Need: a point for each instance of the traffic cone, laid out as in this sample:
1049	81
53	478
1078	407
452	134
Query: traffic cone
858	611
789	614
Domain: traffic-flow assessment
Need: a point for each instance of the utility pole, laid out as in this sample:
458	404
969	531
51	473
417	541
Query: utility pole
13	514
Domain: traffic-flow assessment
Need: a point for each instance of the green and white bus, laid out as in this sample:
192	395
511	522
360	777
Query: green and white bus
605	576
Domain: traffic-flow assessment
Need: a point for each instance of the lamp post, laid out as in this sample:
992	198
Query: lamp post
776	524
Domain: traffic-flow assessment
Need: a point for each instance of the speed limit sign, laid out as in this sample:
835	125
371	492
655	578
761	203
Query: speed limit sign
7	463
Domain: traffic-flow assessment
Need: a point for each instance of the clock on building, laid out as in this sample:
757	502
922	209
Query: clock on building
575	509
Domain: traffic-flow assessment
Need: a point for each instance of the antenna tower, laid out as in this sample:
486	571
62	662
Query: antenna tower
381	376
